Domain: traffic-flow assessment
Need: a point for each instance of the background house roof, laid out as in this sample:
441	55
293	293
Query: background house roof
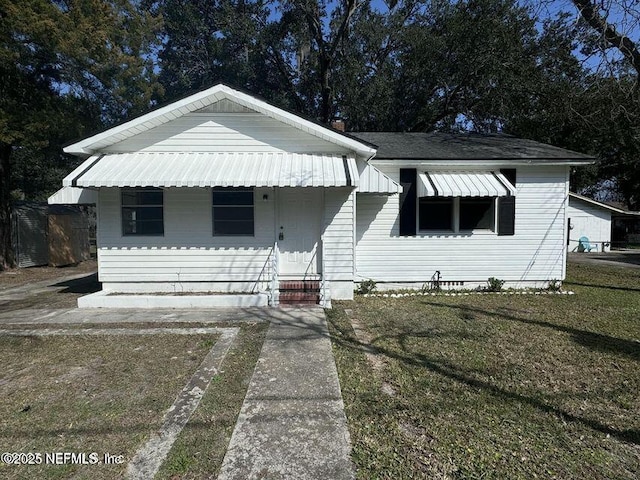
603	206
464	146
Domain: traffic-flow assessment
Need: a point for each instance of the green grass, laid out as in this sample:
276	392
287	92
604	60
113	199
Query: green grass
493	386
89	394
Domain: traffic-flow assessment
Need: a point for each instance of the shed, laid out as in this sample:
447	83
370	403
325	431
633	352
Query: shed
592	219
29	234
55	235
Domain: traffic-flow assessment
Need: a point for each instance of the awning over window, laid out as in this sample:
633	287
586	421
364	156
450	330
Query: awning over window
464	184
73	196
195	169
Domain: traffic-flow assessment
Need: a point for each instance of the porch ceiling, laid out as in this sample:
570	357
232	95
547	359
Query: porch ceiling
195	169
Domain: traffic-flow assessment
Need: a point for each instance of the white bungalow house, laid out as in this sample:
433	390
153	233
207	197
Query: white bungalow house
223	192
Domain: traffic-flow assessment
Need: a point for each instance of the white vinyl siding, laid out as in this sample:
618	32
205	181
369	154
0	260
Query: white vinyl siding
338	233
535	253
222	132
588	221
188	252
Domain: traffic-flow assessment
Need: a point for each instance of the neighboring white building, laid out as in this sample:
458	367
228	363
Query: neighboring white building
592	219
221	191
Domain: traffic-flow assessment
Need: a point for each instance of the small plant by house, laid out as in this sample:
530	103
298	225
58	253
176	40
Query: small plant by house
555	285
366	287
494	285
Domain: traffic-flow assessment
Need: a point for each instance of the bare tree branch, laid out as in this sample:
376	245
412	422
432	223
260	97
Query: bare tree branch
623	43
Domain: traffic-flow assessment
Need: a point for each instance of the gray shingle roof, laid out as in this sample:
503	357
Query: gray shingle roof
462	146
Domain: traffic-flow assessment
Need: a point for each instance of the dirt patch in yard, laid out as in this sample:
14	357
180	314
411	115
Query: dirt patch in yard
616	258
24	276
63	294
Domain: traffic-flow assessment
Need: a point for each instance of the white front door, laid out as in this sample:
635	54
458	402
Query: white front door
298	230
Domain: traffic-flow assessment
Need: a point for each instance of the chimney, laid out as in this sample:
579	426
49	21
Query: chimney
338	124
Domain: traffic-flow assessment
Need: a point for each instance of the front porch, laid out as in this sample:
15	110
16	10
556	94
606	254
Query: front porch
297	235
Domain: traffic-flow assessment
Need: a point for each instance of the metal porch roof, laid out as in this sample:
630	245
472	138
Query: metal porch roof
195	169
464	184
73	196
373	180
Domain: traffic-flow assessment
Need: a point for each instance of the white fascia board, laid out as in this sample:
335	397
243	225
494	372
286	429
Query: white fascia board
74	196
472	164
207	97
154	118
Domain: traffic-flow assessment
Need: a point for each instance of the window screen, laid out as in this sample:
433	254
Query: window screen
142	211
233	211
476	213
436	213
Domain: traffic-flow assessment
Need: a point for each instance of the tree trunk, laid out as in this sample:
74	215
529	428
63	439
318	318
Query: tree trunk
325	91
6	252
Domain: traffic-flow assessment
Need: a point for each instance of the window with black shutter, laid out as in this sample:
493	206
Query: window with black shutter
507	206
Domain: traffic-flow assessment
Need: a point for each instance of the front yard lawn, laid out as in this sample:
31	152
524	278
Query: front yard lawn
89	394
493	386
108	394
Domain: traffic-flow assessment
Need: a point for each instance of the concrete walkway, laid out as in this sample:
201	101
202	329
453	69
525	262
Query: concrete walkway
72	316
292	423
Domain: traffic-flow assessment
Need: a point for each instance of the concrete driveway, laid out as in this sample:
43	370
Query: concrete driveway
620	258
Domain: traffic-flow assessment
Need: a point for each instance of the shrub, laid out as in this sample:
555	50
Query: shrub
368	286
554	285
494	284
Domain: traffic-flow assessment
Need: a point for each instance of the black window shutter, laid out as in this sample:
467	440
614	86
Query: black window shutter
507	206
506	215
408	202
510	174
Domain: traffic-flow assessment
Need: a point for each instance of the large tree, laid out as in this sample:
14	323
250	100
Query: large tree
599	113
66	66
615	26
286	51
